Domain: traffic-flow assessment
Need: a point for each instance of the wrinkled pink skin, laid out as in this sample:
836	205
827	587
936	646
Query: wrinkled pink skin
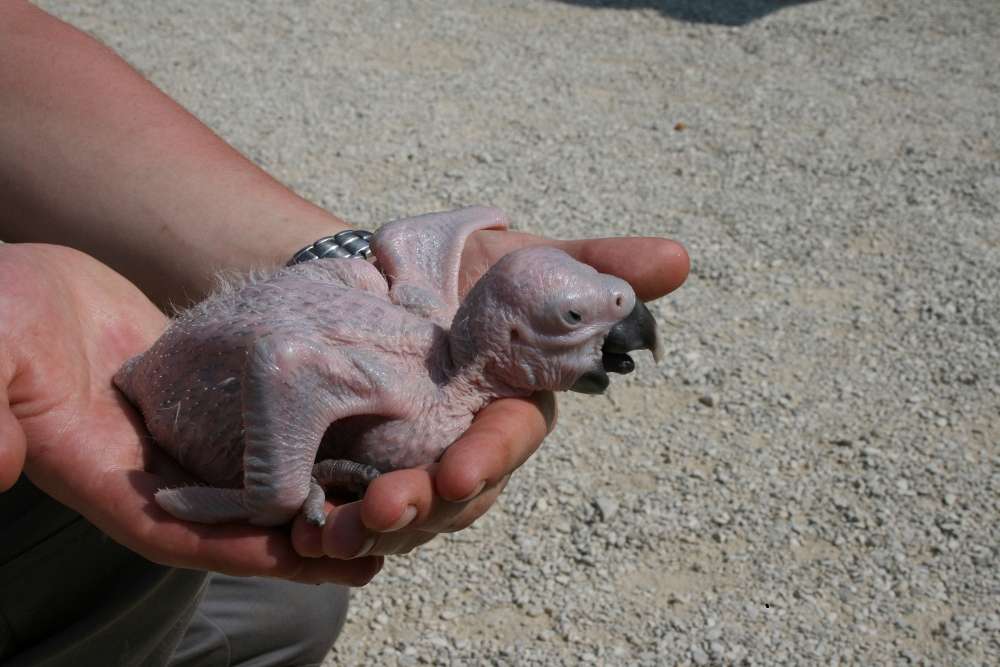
242	388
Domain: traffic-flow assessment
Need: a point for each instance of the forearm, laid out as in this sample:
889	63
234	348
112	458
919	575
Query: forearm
95	157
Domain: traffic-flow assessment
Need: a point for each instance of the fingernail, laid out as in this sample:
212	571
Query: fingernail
405	519
479	489
365	548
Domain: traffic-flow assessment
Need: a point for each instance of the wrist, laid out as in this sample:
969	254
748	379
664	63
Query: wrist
289	235
267	242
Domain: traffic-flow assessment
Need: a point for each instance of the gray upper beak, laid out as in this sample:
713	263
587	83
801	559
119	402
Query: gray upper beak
635	332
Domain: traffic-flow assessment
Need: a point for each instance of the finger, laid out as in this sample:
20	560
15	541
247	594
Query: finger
345	535
307	539
405	501
471	511
406	540
401	542
385	504
653	266
502	437
400	499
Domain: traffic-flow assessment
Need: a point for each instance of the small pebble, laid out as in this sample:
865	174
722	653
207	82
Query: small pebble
606	507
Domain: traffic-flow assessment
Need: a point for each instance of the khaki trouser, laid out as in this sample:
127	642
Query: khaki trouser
70	596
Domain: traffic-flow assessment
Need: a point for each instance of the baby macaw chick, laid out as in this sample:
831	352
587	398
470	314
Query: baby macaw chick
326	374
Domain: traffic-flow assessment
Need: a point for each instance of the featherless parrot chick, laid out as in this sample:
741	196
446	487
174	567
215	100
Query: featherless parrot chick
328	373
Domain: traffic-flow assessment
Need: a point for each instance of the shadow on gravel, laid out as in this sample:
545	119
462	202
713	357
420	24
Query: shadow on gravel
721	12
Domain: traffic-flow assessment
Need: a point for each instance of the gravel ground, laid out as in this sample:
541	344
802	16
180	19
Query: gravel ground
812	476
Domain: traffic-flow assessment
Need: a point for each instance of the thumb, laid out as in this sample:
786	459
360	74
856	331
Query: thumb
12	444
653	266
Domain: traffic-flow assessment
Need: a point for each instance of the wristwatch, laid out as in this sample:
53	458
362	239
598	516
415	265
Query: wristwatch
348	244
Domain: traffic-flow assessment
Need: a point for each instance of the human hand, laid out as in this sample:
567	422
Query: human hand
406	508
69	324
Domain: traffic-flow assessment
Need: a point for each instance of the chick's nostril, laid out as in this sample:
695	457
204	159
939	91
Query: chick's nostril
619	301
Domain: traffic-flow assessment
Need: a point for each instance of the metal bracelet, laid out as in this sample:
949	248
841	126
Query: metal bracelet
348	244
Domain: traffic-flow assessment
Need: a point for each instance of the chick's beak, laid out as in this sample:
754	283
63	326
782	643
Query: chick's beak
635	332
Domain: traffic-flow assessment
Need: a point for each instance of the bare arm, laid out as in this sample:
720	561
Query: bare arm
95	157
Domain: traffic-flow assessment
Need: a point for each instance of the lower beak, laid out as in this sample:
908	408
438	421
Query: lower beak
592	382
